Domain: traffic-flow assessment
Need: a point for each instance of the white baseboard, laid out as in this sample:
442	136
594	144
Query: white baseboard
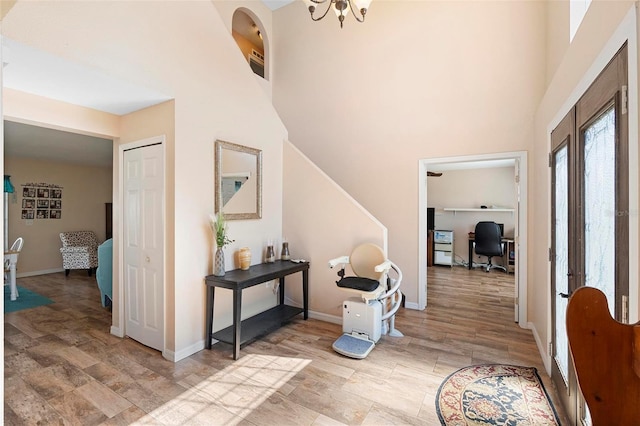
316	315
35	273
412	305
117	331
542	348
325	317
183	353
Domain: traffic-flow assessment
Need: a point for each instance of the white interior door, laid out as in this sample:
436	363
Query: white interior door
143	242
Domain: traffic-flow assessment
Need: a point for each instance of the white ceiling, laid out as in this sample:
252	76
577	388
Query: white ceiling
41	73
277	4
32	71
23	140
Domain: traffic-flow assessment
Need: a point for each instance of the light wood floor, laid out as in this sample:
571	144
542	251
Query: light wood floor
63	367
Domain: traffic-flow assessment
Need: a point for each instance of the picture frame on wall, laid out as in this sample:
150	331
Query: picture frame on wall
28	192
28	203
28	214
56	193
43	204
55	204
43	192
42	214
55	214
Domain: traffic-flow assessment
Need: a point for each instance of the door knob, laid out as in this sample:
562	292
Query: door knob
564	295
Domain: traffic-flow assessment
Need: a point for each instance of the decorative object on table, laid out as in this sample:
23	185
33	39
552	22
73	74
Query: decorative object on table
494	394
244	258
285	255
270	256
219	228
27	300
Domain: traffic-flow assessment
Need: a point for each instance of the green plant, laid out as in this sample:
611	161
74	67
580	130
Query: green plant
219	228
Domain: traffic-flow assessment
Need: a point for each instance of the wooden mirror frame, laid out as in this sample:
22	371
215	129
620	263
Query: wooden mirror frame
219	146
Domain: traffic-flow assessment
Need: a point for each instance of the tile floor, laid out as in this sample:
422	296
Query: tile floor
63	367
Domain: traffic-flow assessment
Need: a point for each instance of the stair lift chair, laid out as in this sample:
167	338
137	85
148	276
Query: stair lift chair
372	313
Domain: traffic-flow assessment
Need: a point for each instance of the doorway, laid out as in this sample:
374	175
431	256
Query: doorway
590	214
519	160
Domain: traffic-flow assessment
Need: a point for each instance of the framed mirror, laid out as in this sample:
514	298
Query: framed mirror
238	181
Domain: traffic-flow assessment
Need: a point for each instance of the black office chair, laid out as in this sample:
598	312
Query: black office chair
488	241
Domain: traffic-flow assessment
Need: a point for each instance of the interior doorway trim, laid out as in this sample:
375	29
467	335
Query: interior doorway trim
521	211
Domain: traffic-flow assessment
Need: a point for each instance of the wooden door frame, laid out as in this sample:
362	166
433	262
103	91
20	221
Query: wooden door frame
521	212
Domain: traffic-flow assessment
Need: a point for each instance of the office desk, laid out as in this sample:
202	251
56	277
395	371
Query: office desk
509	261
248	330
12	258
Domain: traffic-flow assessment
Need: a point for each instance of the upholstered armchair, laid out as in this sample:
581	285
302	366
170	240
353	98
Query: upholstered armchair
79	251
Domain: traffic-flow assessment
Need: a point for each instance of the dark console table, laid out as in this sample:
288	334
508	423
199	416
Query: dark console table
244	332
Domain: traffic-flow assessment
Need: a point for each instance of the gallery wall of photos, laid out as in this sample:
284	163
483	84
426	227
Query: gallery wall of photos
41	201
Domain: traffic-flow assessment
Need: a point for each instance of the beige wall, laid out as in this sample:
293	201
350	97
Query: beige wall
185	50
322	222
85	190
472	189
418	80
557	35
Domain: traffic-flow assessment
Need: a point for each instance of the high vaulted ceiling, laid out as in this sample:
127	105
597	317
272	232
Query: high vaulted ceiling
32	71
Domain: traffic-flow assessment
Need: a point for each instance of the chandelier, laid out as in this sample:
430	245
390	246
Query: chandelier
341	8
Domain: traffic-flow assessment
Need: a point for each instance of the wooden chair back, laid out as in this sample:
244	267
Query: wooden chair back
606	358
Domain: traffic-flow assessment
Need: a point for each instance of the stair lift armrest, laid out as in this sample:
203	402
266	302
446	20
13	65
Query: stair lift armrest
396	284
394	308
338	260
384	266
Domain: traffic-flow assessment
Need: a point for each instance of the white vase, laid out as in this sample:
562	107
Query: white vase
218	262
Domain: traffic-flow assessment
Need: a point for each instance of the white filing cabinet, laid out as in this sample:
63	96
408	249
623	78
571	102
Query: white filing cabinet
443	247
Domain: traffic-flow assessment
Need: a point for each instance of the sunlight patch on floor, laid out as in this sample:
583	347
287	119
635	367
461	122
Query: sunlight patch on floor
230	395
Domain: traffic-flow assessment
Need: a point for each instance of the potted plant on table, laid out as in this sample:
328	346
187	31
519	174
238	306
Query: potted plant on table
219	228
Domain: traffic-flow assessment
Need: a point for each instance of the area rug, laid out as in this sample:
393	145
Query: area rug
494	394
27	299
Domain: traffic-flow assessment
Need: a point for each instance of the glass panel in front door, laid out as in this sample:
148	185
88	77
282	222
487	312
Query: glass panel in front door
561	250
600	205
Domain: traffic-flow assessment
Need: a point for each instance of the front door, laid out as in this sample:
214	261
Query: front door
590	199
143	243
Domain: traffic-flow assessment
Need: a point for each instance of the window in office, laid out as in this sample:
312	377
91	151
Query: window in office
577	10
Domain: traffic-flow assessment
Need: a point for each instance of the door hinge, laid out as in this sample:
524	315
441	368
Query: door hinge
550	348
549	159
625	309
550	255
625	99
517	178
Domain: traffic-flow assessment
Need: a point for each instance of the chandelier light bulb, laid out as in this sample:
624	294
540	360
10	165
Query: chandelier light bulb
341	8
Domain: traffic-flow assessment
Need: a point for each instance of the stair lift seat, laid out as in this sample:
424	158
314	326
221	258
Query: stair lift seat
372	313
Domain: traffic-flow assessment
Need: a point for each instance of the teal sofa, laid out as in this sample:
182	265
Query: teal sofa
105	271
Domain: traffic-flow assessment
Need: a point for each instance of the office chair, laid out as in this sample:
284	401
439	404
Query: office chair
488	239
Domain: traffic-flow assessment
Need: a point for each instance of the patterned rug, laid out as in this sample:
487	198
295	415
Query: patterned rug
494	394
